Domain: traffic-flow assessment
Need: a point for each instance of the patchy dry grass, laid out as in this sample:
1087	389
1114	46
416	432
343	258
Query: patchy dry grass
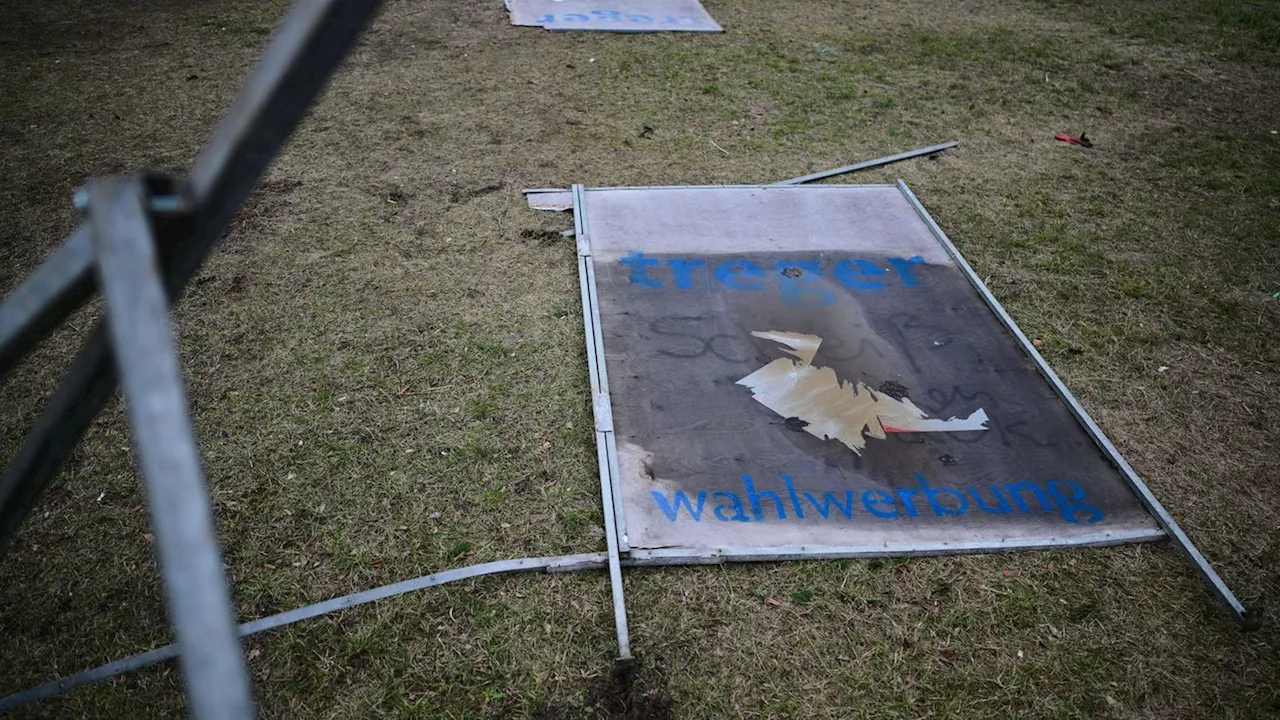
385	355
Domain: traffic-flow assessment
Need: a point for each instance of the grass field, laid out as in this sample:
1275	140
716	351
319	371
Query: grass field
386	365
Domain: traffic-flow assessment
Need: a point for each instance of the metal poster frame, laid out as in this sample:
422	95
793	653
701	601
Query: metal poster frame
1167	526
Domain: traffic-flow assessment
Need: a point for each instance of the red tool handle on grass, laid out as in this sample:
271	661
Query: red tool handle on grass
1082	141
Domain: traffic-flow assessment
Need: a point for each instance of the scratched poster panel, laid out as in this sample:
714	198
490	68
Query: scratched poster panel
807	366
614	15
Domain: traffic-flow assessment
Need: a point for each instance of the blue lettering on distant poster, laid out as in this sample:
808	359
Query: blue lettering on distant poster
615	17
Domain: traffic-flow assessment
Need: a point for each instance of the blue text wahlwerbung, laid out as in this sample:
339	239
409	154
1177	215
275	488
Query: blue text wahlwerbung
1065	498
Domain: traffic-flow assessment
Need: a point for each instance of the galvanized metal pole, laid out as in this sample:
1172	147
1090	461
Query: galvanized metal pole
602	410
60	285
1100	438
74	404
294	68
137	312
875	162
556	564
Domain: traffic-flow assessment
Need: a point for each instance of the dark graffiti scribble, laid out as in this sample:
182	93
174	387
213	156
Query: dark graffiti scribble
694	344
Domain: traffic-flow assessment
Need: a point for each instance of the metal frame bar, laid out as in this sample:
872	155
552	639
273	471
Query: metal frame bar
606	410
875	162
61	284
82	394
602	371
294	67
748	186
602	411
305	50
694	556
145	245
1100	438
564	563
137	313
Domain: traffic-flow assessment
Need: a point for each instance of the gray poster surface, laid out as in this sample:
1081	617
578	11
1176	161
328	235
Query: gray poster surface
808	366
614	15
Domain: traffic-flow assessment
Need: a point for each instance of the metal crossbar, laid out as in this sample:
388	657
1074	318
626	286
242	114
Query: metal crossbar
144	239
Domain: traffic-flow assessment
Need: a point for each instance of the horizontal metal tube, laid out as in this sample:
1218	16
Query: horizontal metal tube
564	563
875	162
687	556
65	418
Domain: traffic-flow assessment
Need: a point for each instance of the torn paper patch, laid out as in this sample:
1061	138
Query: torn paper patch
556	200
811	397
